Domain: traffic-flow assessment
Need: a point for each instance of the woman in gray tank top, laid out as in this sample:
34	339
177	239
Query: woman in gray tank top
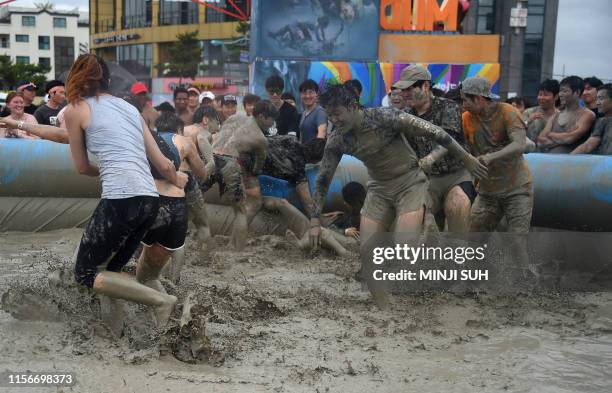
114	132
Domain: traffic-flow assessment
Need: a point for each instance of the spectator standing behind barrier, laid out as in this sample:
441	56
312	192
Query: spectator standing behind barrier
229	106
207	98
181	102
15	103
519	103
537	116
601	138
47	113
194	99
313	122
288	120
140	91
589	95
567	129
248	102
29	94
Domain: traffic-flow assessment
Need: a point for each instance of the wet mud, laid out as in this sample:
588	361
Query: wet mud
272	319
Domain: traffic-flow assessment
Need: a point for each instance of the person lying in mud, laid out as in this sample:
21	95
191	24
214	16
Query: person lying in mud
239	154
398	187
167	233
113	131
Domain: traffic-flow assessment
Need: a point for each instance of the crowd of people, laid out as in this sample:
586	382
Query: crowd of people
455	163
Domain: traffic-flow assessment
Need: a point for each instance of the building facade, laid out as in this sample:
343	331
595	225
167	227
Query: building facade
136	33
35	36
526	53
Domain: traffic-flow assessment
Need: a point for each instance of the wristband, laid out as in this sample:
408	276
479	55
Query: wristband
20	124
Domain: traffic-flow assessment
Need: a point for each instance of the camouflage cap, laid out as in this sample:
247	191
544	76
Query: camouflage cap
478	86
411	75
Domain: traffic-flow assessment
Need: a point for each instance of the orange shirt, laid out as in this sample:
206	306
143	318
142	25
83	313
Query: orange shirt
491	134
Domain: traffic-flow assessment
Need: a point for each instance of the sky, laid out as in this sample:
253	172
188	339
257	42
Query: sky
582	44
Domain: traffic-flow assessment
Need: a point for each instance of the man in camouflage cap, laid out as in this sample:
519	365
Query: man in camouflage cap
497	136
451	186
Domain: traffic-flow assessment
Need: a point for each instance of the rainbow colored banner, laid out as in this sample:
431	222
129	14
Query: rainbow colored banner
376	78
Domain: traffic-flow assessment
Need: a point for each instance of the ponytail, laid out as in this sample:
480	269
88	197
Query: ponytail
88	77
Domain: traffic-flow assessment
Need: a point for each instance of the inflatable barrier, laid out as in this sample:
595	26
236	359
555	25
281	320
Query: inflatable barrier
41	190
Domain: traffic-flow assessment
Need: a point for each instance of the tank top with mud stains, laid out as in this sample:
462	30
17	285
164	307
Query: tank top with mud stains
493	134
568	126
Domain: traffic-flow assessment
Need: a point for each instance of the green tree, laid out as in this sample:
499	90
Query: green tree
12	73
184	57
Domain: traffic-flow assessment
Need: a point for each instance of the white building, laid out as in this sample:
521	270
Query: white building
34	36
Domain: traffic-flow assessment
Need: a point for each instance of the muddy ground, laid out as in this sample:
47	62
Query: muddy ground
271	320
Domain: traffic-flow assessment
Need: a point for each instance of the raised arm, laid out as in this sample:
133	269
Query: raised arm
77	115
414	126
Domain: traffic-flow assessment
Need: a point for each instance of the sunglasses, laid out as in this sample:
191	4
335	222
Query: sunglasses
275	90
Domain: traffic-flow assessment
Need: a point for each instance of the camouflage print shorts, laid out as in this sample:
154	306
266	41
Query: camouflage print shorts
516	206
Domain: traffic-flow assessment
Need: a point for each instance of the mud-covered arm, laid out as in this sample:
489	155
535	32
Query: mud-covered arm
517	133
331	158
259	152
195	162
206	151
593	142
543	140
415	126
451	122
583	126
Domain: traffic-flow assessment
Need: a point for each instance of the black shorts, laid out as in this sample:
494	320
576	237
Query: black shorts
170	227
285	159
112	235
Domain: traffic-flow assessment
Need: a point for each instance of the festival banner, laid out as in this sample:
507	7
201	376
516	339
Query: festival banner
315	30
376	78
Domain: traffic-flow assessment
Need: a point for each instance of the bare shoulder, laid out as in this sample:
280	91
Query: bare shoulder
78	112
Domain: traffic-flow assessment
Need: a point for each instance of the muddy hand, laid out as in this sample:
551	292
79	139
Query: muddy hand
315	237
476	167
7	122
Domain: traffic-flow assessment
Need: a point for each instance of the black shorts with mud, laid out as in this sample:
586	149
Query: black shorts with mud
228	174
170	227
113	234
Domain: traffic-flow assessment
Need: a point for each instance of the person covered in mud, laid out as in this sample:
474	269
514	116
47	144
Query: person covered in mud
206	124
114	132
398	187
600	141
567	129
239	154
167	233
497	135
451	186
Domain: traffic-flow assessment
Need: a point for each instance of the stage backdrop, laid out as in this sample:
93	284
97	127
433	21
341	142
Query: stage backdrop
376	78
315	30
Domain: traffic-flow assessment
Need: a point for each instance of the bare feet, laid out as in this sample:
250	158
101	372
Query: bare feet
163	311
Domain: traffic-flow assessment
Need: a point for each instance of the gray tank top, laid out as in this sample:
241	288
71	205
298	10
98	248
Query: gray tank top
115	137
